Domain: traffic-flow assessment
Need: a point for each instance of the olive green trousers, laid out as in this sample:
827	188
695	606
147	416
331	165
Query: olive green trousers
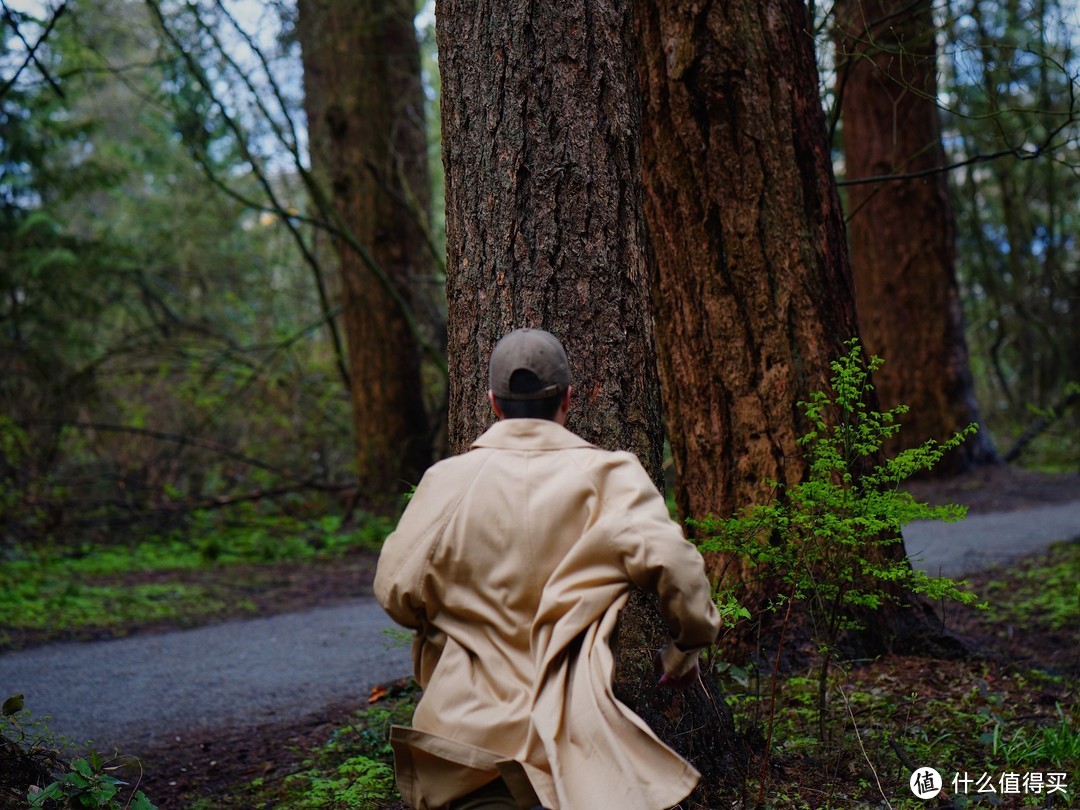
492	796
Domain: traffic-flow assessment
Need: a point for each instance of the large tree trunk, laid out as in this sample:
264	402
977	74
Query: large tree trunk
753	296
364	102
902	231
545	229
543	211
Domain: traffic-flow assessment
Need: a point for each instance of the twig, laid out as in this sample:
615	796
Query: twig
1020	154
905	760
137	513
224	501
135	787
32	50
174	438
908	763
858	736
772	697
1044	422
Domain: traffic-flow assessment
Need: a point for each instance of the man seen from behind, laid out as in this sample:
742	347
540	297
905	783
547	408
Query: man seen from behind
511	564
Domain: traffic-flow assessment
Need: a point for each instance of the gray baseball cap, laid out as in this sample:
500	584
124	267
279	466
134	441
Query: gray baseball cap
529	350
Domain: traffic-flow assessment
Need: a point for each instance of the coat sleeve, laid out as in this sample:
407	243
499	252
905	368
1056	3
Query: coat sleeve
659	559
402	576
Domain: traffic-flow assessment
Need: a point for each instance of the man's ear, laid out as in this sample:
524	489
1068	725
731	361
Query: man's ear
494	405
564	406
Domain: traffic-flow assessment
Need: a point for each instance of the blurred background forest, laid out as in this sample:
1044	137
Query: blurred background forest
174	253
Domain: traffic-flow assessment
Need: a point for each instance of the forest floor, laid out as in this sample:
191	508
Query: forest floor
1002	657
176	776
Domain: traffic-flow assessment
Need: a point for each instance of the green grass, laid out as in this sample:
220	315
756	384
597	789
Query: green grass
1057	746
63	588
49	599
1047	593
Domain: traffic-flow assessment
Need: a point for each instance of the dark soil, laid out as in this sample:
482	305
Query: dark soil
204	765
999	488
207	765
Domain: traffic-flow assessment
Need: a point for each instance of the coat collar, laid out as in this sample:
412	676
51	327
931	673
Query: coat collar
529	434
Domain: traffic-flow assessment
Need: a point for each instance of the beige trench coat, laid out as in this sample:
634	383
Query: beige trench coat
512	562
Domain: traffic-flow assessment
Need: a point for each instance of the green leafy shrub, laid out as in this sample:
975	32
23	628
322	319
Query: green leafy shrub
89	784
33	773
829	542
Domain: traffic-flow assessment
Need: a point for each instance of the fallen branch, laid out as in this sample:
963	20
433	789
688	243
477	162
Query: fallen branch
1048	418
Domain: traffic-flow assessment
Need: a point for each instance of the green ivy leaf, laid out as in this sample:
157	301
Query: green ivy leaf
12	705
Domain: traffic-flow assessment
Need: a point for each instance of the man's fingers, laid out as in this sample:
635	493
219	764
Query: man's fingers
679	681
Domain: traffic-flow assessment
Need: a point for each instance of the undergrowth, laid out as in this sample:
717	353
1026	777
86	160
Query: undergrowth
843	735
352	769
887	720
989	720
60	588
883	720
1051	592
34	773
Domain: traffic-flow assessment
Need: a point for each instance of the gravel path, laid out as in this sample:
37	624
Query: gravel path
983	540
141	692
144	691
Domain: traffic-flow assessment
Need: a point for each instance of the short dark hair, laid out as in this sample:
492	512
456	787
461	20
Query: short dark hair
523	381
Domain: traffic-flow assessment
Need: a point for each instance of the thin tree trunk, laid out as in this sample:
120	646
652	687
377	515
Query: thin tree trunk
902	232
364	102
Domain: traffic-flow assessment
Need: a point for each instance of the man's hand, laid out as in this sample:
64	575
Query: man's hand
675	668
679	681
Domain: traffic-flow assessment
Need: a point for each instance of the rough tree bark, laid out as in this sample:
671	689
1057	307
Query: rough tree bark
901	229
545	229
753	296
543	218
364	102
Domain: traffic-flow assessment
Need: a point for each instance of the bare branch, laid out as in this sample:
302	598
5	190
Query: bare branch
318	195
31	55
189	441
1043	423
1002	153
199	74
